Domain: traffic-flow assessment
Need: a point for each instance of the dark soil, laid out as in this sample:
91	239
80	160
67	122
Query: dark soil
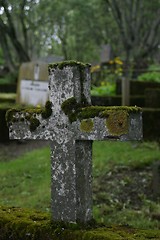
12	149
124	187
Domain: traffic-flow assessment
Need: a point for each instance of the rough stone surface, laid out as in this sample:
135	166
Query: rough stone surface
71	143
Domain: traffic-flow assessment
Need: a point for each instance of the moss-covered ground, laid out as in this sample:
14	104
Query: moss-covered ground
18	223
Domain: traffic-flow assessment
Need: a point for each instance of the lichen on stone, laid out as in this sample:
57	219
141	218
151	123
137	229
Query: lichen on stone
86	125
117	122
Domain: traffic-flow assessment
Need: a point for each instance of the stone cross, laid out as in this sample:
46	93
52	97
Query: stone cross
71	124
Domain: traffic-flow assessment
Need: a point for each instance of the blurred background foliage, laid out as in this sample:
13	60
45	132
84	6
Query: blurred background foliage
152	74
104	83
77	29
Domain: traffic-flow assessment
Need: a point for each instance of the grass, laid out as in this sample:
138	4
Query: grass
8	96
25	182
135	154
131	217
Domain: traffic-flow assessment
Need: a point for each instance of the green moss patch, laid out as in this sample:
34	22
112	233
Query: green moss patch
18	223
76	111
4	134
34	123
71	108
30	114
117	122
71	63
90	112
86	125
104	112
47	111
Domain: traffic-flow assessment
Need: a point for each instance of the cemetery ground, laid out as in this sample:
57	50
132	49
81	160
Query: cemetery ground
122	180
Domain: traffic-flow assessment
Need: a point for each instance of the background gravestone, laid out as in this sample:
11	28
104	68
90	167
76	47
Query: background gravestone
33	84
106	53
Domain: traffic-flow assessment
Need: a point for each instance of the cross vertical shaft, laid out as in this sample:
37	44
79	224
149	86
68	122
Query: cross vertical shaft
70	159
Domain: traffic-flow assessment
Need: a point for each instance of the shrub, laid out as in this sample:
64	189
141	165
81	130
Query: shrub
153	74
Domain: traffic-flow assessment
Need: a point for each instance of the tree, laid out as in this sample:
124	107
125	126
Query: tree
20	34
9	32
138	22
79	27
35	28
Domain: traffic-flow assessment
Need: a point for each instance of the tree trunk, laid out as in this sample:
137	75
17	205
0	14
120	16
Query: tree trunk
126	81
9	29
7	53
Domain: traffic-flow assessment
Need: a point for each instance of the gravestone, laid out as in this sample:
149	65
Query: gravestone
33	84
106	54
71	124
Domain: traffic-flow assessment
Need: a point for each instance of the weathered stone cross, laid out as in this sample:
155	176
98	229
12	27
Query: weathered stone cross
71	123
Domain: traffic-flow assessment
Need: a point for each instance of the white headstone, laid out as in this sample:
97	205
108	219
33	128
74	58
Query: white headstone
33	92
33	84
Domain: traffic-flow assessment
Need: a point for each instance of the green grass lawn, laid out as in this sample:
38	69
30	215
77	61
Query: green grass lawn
25	182
133	154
